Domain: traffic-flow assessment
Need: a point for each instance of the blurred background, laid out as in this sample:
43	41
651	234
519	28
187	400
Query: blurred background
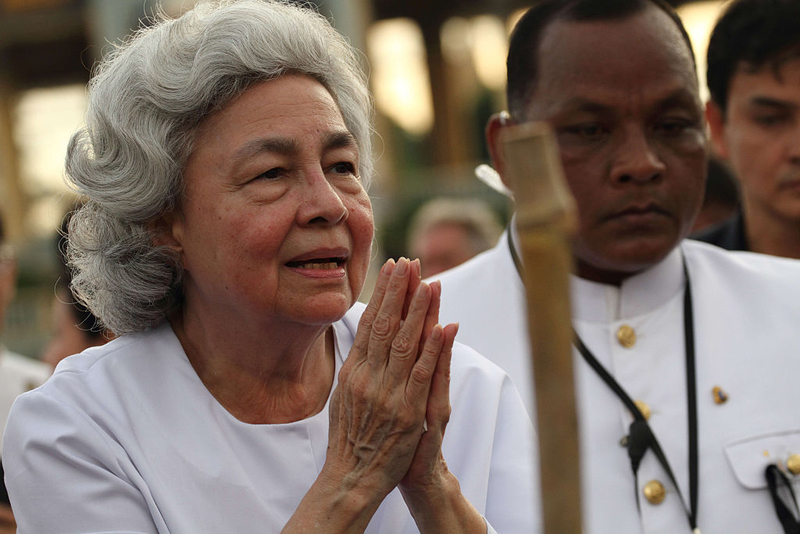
436	67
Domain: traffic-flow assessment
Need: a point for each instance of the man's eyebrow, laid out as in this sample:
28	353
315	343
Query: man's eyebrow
769	102
679	98
584	105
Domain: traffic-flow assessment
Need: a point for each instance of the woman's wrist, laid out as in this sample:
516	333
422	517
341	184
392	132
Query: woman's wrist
440	507
334	506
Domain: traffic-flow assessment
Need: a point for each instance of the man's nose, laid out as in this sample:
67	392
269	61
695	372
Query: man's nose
635	160
794	144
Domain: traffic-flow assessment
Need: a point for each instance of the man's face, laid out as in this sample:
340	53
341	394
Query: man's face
760	136
443	247
622	98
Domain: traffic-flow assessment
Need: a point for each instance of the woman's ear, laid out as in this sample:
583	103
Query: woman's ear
167	231
496	123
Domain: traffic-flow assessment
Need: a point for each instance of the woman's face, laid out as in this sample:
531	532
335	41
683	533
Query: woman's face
275	224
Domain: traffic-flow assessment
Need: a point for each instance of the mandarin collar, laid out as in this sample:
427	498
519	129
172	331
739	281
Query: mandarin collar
639	294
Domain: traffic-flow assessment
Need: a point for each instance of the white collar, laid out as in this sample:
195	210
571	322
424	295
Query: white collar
639	294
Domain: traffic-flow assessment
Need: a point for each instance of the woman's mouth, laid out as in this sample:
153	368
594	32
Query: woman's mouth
321	263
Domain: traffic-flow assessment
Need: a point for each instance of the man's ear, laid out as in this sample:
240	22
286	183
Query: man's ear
715	117
496	123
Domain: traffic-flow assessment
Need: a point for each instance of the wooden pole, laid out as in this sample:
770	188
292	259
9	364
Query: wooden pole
546	221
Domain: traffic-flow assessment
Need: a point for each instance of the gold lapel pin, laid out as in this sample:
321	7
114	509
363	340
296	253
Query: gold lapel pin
720	397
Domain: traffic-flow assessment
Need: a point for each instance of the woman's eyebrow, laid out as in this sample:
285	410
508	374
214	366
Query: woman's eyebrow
284	146
280	145
340	139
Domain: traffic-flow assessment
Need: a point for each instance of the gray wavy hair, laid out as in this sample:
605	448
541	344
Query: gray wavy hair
146	100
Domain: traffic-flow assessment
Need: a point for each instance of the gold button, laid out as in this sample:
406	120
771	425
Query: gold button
644	408
626	336
793	464
654	492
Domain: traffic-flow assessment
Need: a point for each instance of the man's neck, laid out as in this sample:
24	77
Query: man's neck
769	233
602	276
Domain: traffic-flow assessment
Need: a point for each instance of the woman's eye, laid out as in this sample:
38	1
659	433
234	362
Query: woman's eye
344	167
271	174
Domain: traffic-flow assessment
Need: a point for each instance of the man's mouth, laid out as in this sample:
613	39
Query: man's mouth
643	209
639	211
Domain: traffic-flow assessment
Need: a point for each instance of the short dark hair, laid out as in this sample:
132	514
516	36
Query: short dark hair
524	44
753	34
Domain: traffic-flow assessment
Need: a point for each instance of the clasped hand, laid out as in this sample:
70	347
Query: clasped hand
393	385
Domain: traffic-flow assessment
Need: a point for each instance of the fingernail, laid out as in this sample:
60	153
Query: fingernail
436	335
402	266
421	289
388	267
417	268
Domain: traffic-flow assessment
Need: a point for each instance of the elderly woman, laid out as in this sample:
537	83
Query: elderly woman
227	235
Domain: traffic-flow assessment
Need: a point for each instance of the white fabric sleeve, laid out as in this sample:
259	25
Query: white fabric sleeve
489	528
65	474
513	503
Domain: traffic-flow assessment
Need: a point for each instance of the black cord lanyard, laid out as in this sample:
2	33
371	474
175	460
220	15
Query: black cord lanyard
784	499
641	437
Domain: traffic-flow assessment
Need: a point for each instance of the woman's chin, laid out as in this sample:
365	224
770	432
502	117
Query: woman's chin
325	309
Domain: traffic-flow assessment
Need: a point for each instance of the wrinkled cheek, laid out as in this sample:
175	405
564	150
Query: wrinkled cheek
363	232
363	225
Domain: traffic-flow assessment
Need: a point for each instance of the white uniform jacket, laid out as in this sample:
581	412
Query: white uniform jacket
746	318
125	438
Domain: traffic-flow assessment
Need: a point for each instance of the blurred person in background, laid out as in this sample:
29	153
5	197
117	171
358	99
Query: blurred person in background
446	232
721	198
7	523
225	239
754	117
74	326
18	373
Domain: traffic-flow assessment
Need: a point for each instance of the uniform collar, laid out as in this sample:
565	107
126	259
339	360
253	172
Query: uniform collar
639	294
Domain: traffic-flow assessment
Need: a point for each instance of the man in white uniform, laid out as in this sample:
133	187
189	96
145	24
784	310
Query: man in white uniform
694	425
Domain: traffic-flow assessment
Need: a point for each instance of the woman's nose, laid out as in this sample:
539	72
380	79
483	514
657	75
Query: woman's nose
322	203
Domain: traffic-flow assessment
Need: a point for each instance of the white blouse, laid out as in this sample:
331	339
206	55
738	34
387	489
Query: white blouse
126	438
